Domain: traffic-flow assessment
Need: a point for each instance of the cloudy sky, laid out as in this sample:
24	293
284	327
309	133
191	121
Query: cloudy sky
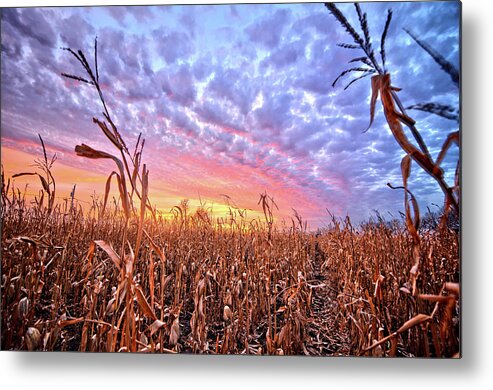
231	99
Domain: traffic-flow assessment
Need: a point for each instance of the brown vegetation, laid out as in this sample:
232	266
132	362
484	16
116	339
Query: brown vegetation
198	285
123	278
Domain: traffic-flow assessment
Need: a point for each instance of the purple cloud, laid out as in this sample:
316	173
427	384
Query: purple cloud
173	45
269	31
286	55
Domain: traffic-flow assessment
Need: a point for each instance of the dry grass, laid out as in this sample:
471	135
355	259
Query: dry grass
369	268
197	286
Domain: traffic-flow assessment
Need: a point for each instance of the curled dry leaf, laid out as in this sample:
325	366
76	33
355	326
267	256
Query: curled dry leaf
282	334
228	300
436	298
406	169
40	287
405	290
141	299
23	307
414	276
156	325
129	263
108	188
71	321
32	338
282	309
227	314
110	252
88	152
175	332
375	88
110	307
452	288
378	287
416	320
43	181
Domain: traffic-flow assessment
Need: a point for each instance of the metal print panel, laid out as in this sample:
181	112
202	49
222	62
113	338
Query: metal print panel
266	179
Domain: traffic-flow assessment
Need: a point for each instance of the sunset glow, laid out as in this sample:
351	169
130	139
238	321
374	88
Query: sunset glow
232	100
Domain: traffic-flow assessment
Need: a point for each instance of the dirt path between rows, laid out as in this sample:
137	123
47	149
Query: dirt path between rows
327	339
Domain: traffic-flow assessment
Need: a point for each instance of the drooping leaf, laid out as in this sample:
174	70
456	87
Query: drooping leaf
451	138
107	189
405	169
416	320
156	325
43	181
412	222
375	89
88	152
110	252
143	203
141	299
107	133
394	119
70	321
136	169
123	195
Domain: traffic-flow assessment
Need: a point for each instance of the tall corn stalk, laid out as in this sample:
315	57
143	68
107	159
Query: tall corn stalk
397	117
130	181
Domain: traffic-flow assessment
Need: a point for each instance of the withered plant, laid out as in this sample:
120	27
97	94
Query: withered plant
396	117
47	180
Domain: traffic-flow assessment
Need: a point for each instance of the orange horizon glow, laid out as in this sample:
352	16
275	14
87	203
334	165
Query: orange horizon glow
90	182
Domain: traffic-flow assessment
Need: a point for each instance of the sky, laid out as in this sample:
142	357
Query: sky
231	99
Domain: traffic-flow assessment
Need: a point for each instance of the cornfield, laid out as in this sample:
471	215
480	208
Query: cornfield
199	286
123	278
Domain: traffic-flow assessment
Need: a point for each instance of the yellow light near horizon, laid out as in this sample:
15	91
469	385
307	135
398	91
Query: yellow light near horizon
90	183
87	182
